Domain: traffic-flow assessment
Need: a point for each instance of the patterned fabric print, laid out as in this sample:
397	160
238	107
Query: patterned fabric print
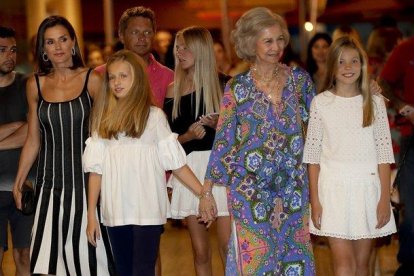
257	154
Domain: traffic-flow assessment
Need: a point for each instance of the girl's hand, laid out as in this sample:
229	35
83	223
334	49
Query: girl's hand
209	120
92	230
375	88
17	194
196	131
207	209
383	213
317	214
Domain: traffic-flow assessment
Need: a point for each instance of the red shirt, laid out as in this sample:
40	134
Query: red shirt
399	71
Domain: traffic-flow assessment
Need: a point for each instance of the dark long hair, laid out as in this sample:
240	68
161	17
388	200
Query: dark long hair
44	67
311	65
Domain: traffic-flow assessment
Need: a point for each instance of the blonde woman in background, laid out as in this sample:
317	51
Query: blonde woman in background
192	106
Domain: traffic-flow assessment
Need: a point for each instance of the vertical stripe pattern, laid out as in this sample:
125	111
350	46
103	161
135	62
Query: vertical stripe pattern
59	244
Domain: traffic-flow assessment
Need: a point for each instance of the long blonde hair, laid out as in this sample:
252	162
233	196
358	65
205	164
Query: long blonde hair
111	116
200	43
334	55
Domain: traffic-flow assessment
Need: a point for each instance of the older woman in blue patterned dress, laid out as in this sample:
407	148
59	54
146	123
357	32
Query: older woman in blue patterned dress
257	154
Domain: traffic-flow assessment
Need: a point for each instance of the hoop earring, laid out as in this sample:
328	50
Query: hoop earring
44	57
73	51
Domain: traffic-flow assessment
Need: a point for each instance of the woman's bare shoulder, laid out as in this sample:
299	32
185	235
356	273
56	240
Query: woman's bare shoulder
95	83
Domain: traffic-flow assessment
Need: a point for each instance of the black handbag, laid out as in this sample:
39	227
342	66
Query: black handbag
28	198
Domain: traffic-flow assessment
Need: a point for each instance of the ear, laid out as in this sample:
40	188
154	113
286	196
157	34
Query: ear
121	37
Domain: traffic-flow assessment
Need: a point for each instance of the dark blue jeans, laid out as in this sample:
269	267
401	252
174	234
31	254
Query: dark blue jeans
135	248
406	229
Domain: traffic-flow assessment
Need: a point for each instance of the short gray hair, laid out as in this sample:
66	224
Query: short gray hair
244	36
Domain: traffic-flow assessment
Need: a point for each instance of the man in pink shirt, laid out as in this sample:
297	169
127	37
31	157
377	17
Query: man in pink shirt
136	30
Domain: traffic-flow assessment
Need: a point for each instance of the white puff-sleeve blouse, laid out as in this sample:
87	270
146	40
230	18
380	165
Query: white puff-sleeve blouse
133	187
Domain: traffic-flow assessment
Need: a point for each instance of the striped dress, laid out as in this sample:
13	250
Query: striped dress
59	244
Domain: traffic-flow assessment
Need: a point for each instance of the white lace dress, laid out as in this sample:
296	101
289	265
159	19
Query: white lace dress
349	186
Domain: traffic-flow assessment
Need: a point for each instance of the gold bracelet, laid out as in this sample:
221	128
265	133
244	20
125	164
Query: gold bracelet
205	194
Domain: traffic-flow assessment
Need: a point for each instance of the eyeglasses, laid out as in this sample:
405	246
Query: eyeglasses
145	34
4	50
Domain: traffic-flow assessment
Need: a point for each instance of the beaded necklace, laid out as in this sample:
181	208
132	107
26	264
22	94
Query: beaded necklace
271	91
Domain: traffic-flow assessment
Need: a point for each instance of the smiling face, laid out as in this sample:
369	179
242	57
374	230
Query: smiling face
270	44
138	36
348	67
58	46
320	50
121	78
8	52
184	55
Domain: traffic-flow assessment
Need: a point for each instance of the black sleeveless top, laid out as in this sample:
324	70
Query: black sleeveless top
187	117
64	127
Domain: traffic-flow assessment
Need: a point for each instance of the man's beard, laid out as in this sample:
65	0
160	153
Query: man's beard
4	70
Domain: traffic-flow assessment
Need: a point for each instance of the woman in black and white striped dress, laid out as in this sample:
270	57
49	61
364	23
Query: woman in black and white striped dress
60	97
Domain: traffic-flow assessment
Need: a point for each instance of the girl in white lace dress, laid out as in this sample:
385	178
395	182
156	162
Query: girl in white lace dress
348	149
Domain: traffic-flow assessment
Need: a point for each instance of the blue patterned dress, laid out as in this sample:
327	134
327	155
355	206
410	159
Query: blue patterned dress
257	154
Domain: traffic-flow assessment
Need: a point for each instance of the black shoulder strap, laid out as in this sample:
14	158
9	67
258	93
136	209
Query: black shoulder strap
85	86
38	85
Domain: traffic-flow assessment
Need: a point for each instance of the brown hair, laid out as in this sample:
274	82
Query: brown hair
136	12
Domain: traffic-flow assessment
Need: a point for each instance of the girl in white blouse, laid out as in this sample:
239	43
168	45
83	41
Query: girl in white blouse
131	148
348	149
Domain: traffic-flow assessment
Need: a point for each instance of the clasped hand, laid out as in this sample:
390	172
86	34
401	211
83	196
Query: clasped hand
207	210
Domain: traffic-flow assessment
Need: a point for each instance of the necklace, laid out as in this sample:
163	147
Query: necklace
262	78
270	87
276	102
